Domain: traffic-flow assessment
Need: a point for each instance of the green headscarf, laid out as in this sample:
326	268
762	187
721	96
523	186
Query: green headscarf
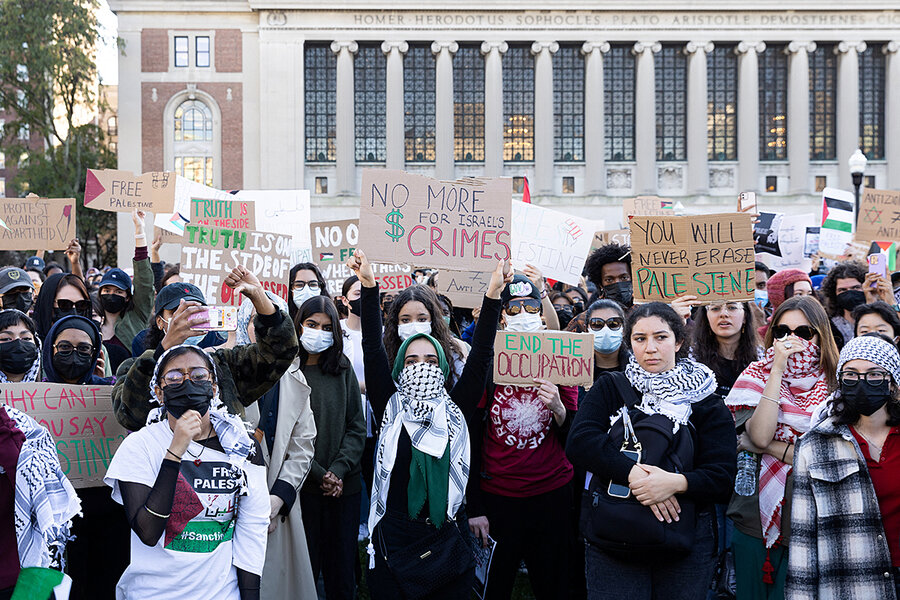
401	355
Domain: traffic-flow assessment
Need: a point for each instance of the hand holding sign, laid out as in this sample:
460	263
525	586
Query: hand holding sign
137	217
359	264
245	282
548	393
499	278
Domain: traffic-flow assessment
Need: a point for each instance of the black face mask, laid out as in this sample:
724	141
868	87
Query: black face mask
386	307
355	306
112	303
74	366
17	356
850	299
864	397
564	314
578	307
621	292
22	302
187	395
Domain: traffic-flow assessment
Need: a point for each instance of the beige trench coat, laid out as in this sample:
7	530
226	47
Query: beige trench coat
287	574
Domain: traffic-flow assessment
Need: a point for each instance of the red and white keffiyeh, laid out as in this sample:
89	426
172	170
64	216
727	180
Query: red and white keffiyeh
803	387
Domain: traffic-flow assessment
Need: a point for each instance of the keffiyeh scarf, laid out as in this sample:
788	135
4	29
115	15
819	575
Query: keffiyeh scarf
803	387
45	501
671	392
423	407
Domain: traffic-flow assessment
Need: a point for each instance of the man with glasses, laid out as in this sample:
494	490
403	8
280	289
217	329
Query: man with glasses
16	289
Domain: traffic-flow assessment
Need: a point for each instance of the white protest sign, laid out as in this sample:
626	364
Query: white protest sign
791	242
185	190
285	212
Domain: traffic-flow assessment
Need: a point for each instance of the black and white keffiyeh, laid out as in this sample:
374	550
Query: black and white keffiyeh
874	350
671	392
423	407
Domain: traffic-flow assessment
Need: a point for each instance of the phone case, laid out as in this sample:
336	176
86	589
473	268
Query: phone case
221	318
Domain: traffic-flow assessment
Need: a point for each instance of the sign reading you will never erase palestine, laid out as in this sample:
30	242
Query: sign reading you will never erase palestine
708	256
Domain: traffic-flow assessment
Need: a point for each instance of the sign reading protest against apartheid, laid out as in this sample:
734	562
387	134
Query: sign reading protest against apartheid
838	214
466	289
209	253
413	219
123	191
34	223
647	206
879	216
554	242
708	256
79	417
560	357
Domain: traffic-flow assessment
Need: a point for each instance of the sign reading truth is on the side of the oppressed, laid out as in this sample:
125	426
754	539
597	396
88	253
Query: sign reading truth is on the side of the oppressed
36	223
79	417
559	357
415	220
123	191
708	256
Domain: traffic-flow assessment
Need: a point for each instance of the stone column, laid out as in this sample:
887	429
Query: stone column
493	107
594	99
443	109
847	138
394	110
645	178
798	115
748	115
697	109
345	161
543	115
891	114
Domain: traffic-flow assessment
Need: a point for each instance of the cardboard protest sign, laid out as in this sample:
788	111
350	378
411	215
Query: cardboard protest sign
390	278
413	219
228	214
36	223
79	417
209	253
708	256
791	240
560	357
554	242
333	241
618	236
286	212
879	216
123	191
647	206
838	213
466	289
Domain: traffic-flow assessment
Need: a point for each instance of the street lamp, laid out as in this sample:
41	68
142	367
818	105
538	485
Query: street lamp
857	164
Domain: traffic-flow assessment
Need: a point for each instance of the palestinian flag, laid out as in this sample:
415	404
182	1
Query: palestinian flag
325	256
667	204
837	214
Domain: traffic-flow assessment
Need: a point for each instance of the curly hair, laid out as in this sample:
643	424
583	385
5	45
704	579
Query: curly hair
604	255
850	269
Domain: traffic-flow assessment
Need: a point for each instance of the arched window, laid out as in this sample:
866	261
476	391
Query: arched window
193	142
193	122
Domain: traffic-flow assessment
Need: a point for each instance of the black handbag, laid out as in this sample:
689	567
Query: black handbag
430	563
624	525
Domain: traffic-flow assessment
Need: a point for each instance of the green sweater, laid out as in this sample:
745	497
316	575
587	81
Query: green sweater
340	428
135	320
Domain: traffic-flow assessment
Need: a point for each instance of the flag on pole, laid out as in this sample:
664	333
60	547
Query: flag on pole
526	193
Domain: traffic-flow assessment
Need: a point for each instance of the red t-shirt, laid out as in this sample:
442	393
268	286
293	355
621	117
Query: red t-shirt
885	474
522	457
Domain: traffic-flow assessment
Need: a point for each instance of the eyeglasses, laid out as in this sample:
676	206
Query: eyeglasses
614	323
851	378
65	349
531	307
299	285
731	308
804	331
81	306
176	377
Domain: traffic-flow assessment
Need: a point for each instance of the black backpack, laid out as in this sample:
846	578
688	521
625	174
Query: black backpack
624	525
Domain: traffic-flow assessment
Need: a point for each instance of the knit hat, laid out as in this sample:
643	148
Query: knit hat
780	280
873	349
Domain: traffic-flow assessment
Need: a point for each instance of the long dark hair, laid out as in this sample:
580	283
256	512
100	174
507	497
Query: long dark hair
844	415
601	304
332	361
705	345
10	317
818	318
439	329
880	308
323	287
43	305
664	312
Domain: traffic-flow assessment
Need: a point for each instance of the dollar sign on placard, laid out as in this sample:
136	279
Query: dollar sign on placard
393	219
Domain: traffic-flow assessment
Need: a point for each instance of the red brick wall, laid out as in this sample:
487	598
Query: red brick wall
154	50
232	130
228	51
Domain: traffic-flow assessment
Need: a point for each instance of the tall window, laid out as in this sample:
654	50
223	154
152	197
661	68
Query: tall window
419	102
320	83
871	102
518	104
468	104
192	146
182	50
369	73
671	104
721	113
201	51
822	89
618	93
568	104
773	82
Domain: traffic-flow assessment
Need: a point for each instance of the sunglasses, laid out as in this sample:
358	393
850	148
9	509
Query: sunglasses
81	306
803	331
530	307
614	323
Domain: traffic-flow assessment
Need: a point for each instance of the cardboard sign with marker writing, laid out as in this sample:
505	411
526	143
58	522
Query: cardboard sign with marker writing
228	214
413	219
560	357
466	289
879	216
123	191
79	417
647	206
36	223
708	256
618	236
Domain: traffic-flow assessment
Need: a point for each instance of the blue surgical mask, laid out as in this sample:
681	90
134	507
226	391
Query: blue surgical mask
761	297
302	295
607	341
316	341
195	340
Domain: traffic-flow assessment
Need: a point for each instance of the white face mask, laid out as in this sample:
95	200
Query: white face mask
607	341
316	341
405	330
524	321
301	296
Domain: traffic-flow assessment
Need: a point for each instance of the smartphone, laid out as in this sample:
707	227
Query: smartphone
878	264
221	318
623	491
